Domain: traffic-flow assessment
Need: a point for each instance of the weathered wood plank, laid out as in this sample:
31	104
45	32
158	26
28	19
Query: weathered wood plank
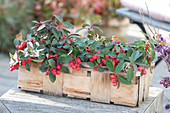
100	87
146	85
82	72
141	89
18	101
55	88
126	94
31	81
78	86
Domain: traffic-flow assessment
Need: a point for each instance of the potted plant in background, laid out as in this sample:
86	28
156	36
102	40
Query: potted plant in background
81	11
55	51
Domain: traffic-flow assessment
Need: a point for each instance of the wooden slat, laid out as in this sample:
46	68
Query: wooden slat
141	88
126	94
30	80
146	84
100	87
82	72
76	86
55	88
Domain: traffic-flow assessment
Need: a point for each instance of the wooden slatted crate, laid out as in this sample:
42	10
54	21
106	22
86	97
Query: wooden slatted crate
87	84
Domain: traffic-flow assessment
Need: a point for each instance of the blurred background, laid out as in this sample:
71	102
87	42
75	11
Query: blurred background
17	15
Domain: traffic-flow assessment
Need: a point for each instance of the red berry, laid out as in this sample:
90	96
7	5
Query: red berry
94	57
144	72
36	33
149	59
58	66
78	60
112	57
146	47
120	47
103	61
113	80
114	62
117	60
58	72
34	41
118	42
31	40
65	35
123	51
78	68
100	65
114	49
24	43
54	72
21	47
91	60
46	73
17	46
95	69
65	43
115	84
56	55
97	52
42	40
71	63
50	50
42	62
70	40
62	38
51	55
117	52
139	68
16	65
73	67
112	76
107	56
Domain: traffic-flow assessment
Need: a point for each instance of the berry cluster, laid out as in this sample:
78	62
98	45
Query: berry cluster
14	66
142	70
165	82
114	79
22	46
75	63
167	107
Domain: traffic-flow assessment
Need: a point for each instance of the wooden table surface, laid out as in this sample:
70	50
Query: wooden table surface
18	101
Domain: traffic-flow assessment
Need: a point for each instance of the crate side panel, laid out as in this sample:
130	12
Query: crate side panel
30	80
76	86
100	87
55	88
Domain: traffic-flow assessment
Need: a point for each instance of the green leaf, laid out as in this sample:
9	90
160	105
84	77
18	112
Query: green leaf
37	60
118	84
51	63
68	25
16	42
100	69
96	44
34	21
91	64
124	80
60	52
64	69
152	55
43	69
105	51
27	66
99	60
52	77
130	74
135	55
65	58
66	46
55	32
79	29
41	27
119	67
121	55
109	65
58	17
19	36
85	25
